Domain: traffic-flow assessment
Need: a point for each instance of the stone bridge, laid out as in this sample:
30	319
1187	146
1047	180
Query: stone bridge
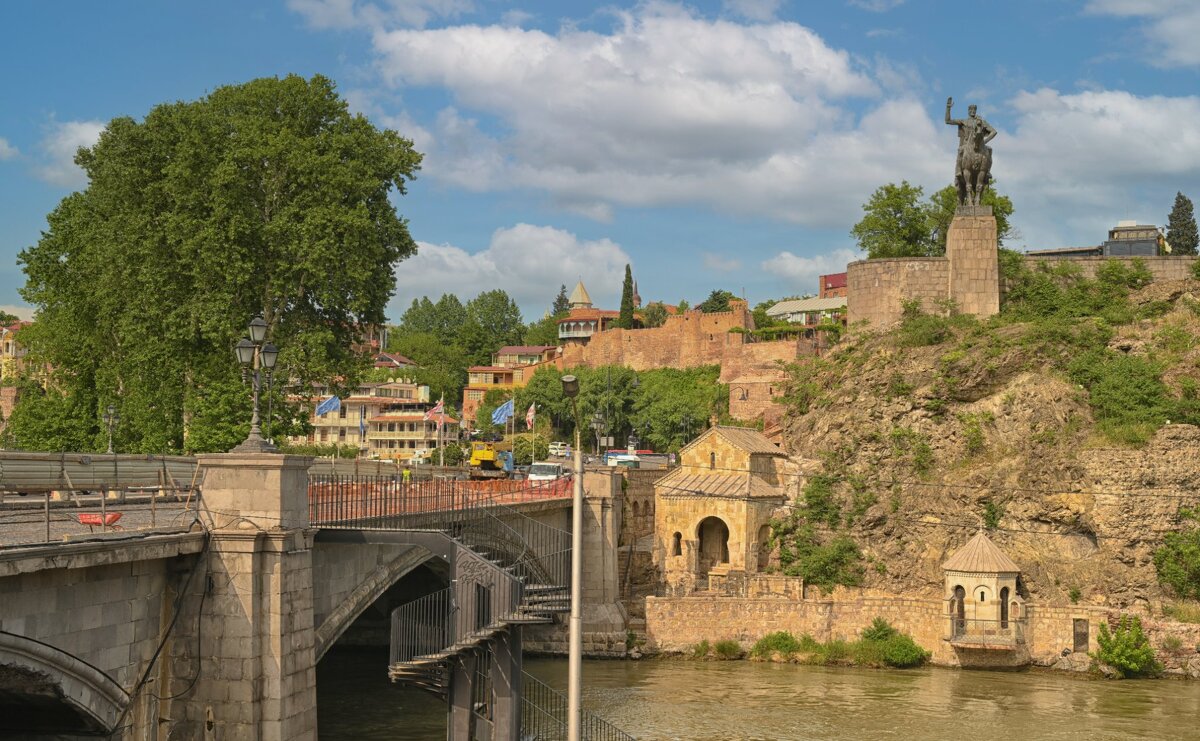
214	631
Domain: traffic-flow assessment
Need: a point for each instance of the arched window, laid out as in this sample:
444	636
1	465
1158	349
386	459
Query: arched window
712	460
1004	608
958	609
677	547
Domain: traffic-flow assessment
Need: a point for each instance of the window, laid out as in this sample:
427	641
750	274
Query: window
342	412
677	548
342	433
712	460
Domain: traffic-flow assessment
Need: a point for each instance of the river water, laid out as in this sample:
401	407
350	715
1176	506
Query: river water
658	700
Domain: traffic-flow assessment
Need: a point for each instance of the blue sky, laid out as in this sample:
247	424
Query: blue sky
719	144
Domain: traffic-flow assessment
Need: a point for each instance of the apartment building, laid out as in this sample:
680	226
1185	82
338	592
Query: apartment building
349	424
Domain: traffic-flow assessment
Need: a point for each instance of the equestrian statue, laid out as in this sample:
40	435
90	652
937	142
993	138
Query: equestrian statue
973	166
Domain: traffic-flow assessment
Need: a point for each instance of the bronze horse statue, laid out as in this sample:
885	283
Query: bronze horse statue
974	169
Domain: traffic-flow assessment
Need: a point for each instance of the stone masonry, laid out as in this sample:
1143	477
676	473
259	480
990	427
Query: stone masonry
971	250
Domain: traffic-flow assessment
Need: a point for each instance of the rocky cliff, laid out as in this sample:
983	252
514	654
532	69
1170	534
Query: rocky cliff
946	425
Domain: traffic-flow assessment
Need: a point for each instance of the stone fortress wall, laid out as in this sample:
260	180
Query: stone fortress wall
968	274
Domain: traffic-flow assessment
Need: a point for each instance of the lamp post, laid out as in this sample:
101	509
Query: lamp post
111	420
256	355
570	386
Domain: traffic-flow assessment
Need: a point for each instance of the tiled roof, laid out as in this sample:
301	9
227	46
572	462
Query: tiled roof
981	556
751	441
391	359
585	314
684	482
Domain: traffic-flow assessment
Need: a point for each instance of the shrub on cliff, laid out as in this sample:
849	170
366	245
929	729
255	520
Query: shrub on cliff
826	565
780	642
727	650
1126	650
1177	560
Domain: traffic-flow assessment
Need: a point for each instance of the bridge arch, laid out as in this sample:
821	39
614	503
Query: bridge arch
47	690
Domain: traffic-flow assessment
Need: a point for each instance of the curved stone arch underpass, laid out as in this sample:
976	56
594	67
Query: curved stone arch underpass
54	677
371	588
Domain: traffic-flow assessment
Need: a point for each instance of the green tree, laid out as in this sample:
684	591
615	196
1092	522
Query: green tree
441	366
562	304
896	223
1181	227
625	319
717	301
682	306
542	332
267	197
493	320
944	202
483	413
1127	649
654	315
1178	559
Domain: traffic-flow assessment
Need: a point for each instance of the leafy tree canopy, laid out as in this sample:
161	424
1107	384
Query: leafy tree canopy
625	319
717	301
898	223
1181	227
654	315
267	197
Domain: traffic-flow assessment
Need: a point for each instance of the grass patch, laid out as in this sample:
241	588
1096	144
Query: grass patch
1184	612
880	646
701	649
727	650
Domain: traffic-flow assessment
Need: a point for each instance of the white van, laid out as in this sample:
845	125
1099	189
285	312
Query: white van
546	471
558	449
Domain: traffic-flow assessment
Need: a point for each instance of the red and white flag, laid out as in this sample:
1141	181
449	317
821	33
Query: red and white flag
530	415
437	410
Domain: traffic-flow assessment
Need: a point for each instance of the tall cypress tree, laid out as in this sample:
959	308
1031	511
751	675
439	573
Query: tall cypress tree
1181	227
625	320
561	303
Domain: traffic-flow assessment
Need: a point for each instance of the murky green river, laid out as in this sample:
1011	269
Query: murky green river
744	700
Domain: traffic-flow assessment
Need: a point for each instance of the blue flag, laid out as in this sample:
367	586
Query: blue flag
502	413
362	421
332	404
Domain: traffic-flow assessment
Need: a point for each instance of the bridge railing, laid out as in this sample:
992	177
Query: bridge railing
544	716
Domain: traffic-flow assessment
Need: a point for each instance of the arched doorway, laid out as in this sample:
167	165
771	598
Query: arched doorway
713	535
764	547
958	609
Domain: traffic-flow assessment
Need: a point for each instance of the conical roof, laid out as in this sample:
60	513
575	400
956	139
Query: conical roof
579	297
981	556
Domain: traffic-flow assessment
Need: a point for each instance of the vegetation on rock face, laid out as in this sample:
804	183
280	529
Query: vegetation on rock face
1126	649
1177	561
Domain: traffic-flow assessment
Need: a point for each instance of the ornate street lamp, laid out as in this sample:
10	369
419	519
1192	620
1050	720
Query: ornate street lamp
258	361
111	420
570	386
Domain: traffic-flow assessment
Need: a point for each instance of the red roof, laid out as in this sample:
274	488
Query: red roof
834	280
392	360
585	314
524	349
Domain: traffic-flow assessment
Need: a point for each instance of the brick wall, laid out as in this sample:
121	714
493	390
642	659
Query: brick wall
686	340
756	376
974	282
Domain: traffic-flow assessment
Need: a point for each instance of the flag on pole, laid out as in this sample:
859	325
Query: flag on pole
438	409
529	416
332	404
503	413
362	422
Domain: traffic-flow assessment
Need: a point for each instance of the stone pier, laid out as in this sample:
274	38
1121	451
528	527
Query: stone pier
260	670
973	254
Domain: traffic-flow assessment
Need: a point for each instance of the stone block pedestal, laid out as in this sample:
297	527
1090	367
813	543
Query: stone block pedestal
973	252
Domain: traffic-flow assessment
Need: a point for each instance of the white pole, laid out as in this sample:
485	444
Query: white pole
575	648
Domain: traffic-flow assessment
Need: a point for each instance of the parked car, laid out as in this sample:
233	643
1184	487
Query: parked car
558	449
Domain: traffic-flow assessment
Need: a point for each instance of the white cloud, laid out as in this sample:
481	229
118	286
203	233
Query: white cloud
7	151
876	6
801	273
352	13
1170	27
59	147
754	10
1076	163
529	262
20	311
667	108
721	264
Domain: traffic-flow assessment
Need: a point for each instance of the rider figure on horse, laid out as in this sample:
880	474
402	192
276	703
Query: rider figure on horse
970	188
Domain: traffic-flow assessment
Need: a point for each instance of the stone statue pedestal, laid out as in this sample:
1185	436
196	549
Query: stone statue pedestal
972	249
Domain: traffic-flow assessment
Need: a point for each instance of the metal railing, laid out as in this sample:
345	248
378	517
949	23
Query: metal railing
470	610
987	633
544	716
